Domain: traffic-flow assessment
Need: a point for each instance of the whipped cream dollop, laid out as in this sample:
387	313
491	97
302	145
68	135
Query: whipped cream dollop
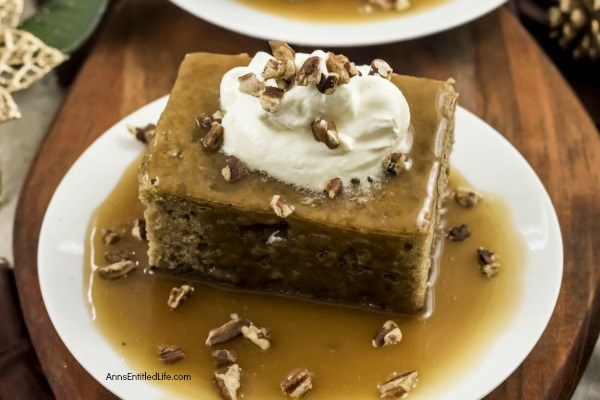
370	112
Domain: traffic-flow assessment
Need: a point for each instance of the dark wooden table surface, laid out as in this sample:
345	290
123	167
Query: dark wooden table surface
502	76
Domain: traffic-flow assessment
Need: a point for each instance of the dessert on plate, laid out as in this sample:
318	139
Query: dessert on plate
302	175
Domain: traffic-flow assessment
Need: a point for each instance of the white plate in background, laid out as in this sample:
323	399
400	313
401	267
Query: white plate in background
250	21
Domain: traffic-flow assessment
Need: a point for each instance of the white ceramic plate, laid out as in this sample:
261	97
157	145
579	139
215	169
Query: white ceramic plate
482	155
249	21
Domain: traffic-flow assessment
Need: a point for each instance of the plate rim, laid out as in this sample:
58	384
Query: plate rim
552	219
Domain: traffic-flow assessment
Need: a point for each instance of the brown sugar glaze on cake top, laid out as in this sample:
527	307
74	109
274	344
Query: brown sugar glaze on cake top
177	165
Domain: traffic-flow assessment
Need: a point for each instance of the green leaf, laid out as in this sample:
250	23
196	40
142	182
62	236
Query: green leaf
65	24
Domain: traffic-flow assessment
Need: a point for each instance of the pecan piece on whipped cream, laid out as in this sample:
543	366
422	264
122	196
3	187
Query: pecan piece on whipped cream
340	65
281	50
328	83
270	98
398	386
228	382
325	132
381	68
309	72
283	67
280	206
178	295
387	335
214	137
234	170
387	5
297	383
116	270
333	187
279	70
250	84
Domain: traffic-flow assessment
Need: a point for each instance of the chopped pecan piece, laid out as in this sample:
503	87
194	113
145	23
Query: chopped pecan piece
234	170
258	336
170	354
214	137
227	380
118	255
333	187
270	99
309	72
223	358
490	270
178	295
205	120
395	163
282	51
143	134
398	385
250	84
297	383
273	70
110	237
139	229
285	56
279	70
280	206
459	233
467	197
485	256
326	132
328	83
284	84
340	65
217	116
487	262
389	334
226	331
381	68
116	270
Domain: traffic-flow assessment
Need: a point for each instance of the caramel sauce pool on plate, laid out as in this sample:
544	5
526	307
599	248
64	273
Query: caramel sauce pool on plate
334	11
333	342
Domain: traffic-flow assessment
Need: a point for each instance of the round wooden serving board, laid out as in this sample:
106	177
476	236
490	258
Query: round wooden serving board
502	77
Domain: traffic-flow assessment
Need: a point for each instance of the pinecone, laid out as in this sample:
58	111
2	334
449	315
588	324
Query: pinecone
576	26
